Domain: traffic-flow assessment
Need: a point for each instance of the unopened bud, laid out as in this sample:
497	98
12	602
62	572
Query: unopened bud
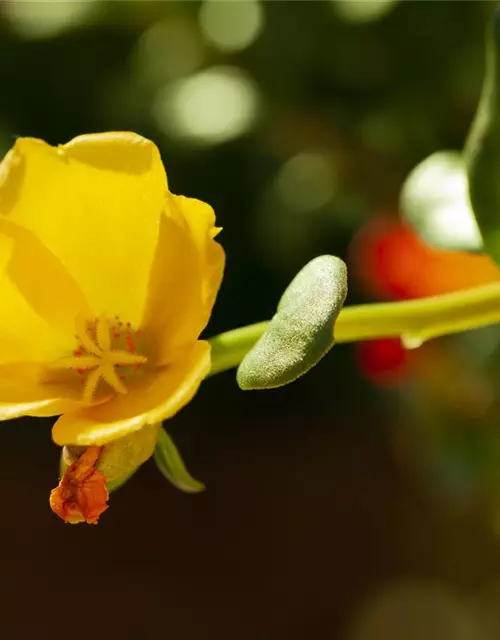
90	473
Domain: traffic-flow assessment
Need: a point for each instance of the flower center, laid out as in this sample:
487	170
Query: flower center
106	352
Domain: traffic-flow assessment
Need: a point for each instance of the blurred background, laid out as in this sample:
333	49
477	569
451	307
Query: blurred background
362	502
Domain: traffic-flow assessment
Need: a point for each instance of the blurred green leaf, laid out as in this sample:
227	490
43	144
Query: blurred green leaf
435	201
301	332
170	464
482	150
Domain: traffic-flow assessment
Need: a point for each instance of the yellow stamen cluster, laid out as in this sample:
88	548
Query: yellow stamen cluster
98	359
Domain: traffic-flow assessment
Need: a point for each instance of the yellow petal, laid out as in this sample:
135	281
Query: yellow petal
35	408
40	277
96	204
28	398
155	397
29	389
186	276
30	329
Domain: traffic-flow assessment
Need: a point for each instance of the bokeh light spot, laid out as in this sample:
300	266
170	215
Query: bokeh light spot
231	26
435	199
306	182
416	610
168	50
210	107
362	11
47	19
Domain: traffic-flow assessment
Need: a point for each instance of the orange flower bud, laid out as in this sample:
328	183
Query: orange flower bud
82	495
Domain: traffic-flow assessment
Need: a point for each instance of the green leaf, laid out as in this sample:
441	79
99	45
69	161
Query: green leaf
301	332
482	150
170	464
435	201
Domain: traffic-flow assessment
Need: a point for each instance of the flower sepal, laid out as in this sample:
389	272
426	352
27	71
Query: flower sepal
171	466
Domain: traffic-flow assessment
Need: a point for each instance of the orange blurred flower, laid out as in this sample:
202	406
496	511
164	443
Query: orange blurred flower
390	261
383	361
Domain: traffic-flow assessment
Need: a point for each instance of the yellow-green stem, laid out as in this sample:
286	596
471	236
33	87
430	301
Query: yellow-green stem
414	321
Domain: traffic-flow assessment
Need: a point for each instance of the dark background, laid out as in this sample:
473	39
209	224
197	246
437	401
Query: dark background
328	513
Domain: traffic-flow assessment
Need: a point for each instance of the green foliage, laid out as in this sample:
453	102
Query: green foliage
301	332
482	151
169	462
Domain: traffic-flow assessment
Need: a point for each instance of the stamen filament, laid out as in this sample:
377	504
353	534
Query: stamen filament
110	376
124	357
85	339
91	385
103	337
76	362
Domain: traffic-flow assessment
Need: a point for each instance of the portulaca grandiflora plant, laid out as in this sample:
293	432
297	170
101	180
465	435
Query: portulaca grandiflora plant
107	280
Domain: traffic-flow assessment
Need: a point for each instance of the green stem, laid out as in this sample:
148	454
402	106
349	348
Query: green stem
414	321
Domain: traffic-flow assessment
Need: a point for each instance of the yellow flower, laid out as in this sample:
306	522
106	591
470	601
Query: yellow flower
106	282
